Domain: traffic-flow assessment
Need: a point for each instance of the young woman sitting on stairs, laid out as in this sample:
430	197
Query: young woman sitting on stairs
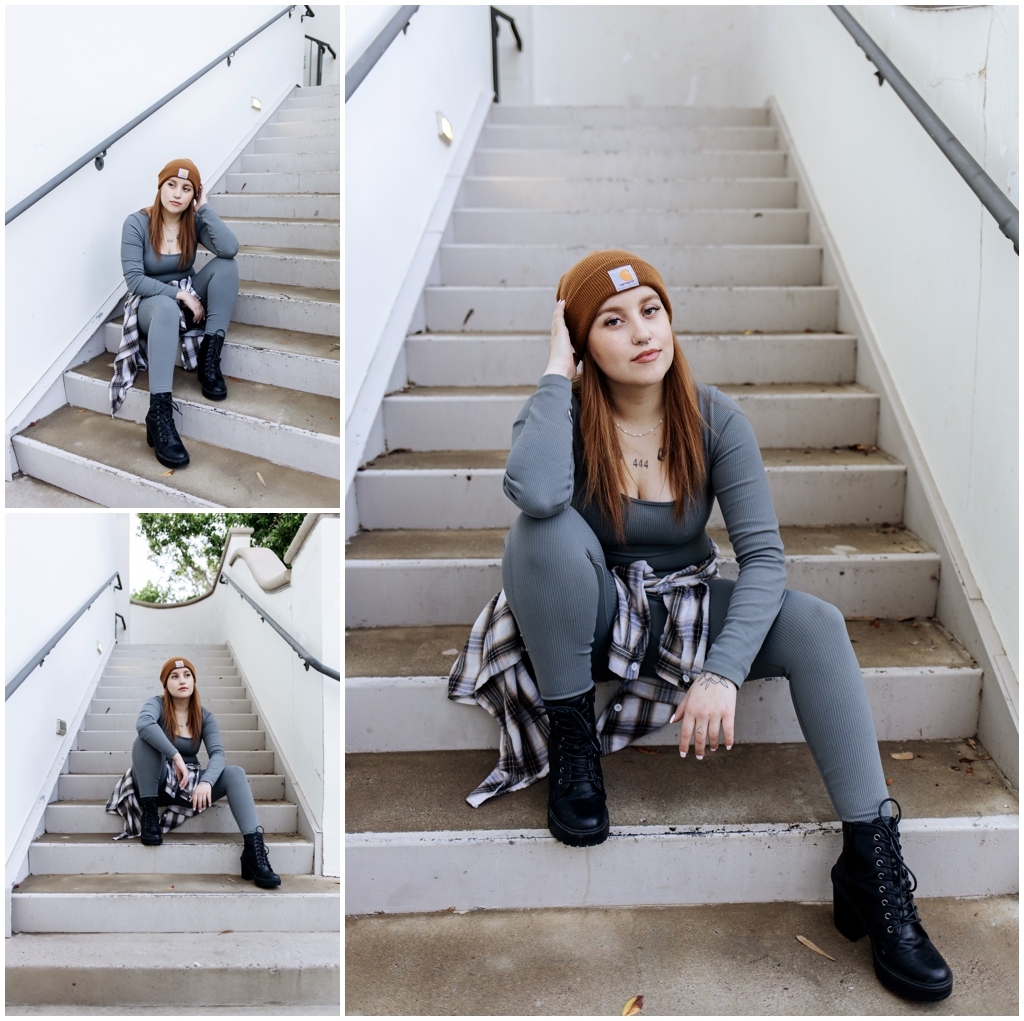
170	729
170	304
615	469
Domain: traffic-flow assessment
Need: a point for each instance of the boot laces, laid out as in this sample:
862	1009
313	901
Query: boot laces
164	423
260	849
904	882
213	356
579	748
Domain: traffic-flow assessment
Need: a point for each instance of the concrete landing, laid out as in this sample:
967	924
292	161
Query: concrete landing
25	491
717	960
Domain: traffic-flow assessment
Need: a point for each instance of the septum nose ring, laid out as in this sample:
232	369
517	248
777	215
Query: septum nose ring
642	343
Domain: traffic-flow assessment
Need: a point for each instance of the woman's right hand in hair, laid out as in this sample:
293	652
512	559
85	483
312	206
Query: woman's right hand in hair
194	304
562	359
181	769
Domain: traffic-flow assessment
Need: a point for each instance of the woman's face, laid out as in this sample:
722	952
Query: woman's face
176	195
631	338
181	683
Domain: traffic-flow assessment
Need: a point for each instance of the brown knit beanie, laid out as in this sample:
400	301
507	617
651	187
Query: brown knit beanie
173	663
594	279
186	170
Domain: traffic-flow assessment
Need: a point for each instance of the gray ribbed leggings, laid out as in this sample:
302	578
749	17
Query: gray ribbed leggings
148	767
217	286
564	601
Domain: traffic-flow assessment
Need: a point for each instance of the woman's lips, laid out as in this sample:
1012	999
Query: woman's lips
648	356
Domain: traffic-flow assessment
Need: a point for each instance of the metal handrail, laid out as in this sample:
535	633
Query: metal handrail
37	659
992	197
308	659
364	65
98	152
495	14
321	46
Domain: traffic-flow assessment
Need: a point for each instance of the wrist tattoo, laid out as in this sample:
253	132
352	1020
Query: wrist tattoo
707	678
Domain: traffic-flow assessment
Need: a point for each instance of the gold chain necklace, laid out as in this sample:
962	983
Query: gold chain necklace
639	435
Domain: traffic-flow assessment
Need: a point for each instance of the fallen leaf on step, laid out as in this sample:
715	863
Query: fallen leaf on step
810	946
232	378
746	333
875	623
230	880
967	760
171	887
901	755
634	1005
985	757
260	477
888	779
647	751
971	743
81	411
450	909
904	618
224	932
915	624
170	472
449	652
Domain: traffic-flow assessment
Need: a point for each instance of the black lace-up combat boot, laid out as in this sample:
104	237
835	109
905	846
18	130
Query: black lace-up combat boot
161	434
577	813
873	896
150	822
256	861
208	365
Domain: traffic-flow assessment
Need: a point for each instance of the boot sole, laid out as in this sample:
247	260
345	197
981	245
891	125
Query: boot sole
849	923
577	838
214	396
151	843
163	461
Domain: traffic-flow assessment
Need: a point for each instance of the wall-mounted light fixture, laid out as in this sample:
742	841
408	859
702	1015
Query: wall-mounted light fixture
444	129
255	103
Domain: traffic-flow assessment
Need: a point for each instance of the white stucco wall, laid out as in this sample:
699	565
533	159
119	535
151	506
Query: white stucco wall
395	163
53	564
102	69
935	276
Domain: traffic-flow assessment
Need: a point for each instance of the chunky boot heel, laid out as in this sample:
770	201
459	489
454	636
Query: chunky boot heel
873	895
845	917
577	810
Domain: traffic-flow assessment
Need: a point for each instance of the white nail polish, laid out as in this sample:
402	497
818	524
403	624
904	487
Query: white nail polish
683	754
700	758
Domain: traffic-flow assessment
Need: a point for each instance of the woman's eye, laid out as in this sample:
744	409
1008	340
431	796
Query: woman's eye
651	309
612	321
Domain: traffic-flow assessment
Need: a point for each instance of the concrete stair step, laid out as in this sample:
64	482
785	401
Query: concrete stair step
694	309
182	853
126	721
297	143
92	817
313	96
305	182
614	228
154	649
463	489
680	266
611	116
289	307
97	786
410	577
276	230
920	682
323	208
119	761
121	705
682	831
186	904
328	128
290	162
288	427
297	267
110	463
499	359
122	740
572	163
298	361
316	112
75	971
121	664
618	139
601	191
105	693
781	414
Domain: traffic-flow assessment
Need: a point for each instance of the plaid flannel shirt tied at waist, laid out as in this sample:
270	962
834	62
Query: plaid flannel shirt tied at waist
132	352
490	671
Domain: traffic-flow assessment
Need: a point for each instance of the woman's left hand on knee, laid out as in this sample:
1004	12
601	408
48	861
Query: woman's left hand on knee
202	796
709	706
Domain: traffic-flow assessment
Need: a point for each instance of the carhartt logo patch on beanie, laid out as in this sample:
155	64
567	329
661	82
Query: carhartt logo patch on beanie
596	278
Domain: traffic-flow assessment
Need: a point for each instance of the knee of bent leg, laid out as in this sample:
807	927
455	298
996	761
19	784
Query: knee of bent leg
562	546
814	616
164	309
233	774
226	269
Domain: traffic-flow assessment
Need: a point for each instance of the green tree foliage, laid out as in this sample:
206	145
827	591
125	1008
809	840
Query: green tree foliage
187	547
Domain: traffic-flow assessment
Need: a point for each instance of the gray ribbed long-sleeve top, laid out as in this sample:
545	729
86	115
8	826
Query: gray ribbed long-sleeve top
149	274
150	730
545	474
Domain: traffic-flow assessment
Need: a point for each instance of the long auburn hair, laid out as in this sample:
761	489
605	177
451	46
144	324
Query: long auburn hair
186	229
195	714
604	464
